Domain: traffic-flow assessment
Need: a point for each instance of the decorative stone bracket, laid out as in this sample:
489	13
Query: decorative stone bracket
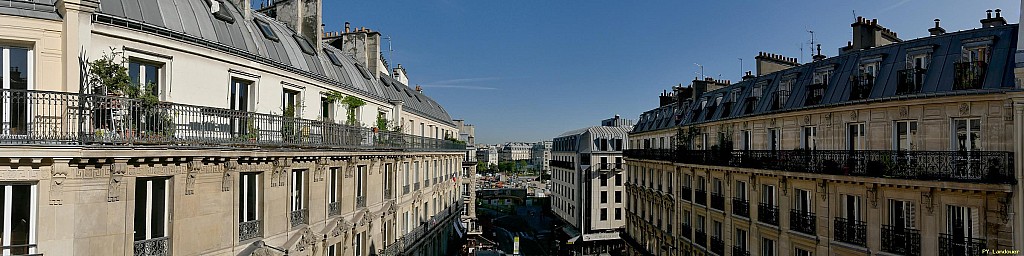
928	201
873	195
117	171
190	179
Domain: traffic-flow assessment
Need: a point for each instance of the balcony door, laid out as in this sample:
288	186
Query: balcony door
901	214
16	76
967	144
961	222
19	218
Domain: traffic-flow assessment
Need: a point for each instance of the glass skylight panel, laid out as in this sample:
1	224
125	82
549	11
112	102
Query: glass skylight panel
334	59
304	45
267	31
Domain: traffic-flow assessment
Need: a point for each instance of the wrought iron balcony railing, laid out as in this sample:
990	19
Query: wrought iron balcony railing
299	217
160	246
962	166
860	86
768	214
250	229
686	193
717	245
700	197
361	202
45	117
404	243
959	245
969	75
740	251
803	222
899	240
21	249
610	166
717	201
563	164
684	230
741	207
815	92
850	231
910	80
334	208
700	238
749	105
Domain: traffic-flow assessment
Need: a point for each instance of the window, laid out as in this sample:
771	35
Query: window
326	109
774	139
618	178
801	252
767	247
976	54
918	61
146	76
768	194
809	137
855	138
745	137
604	177
716	186
334	59
850	207
298	194
334	190
618	213
967	134
604	197
901	213
782	94
220	11
716	229
152	197
699	225
618	196
16	73
869	69
19	223
962	222
604	214
741	239
266	30
358	245
249	200
823	76
304	45
904	135
741	190
290	102
802	200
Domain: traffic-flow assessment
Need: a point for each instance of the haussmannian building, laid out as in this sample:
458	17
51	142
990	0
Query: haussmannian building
215	129
514	151
587	188
540	156
893	147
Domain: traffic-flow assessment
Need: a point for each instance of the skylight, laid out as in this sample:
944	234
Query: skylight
267	31
334	59
362	70
304	45
220	11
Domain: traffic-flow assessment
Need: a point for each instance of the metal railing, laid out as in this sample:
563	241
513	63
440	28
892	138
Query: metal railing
717	245
963	166
739	251
250	229
959	245
969	75
299	217
609	166
405	242
717	201
700	238
768	214
361	202
803	222
899	240
686	193
334	208
910	80
45	117
860	86
741	207
160	246
563	164
700	197
684	230
815	92
850	231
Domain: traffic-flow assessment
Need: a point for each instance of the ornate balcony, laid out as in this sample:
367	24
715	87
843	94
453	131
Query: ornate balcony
684	230
334	208
717	201
404	243
700	197
768	214
958	245
741	207
717	245
898	240
250	229
969	75
850	231
740	251
299	217
910	80
961	166
700	238
153	247
803	222
361	202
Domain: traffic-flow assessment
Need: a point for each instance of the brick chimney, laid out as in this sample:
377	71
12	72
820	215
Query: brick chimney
990	21
302	16
748	76
867	34
770	62
363	44
937	30
707	85
665	98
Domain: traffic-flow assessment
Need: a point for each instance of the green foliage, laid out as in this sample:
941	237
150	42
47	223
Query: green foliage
351	104
288	123
110	75
382	122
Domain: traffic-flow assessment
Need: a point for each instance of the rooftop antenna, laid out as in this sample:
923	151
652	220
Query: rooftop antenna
701	70
390	51
741	66
801	59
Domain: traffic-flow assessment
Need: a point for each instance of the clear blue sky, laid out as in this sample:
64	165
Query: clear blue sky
530	70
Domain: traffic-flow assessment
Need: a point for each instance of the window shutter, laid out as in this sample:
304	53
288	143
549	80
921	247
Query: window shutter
975	229
909	206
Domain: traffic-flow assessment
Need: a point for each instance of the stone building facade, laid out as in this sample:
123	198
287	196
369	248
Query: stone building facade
894	147
244	148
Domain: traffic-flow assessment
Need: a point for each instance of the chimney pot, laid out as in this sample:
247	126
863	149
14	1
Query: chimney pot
347	27
988	14
998	14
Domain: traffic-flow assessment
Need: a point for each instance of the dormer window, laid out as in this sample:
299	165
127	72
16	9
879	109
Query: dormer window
220	11
911	78
266	30
304	45
782	93
970	71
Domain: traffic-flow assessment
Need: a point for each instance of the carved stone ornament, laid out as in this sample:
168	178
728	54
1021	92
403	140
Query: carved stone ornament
117	171
873	196
58	177
307	241
190	179
854	115
320	169
772	122
1004	207
823	190
904	111
807	119
965	108
264	251
229	167
342	228
927	200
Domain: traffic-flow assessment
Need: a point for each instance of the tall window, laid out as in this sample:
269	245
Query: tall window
741	239
152	200
19	222
850	207
618	196
782	95
145	75
774	139
604	197
741	190
249	200
298	194
16	73
290	102
360	180
801	252
767	247
802	200
768	194
745	134
326	109
962	222
334	190
901	213
904	135
855	138
604	214
967	133
239	101
809	138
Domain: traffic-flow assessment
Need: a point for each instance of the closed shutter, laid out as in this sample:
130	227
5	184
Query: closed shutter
909	210
975	229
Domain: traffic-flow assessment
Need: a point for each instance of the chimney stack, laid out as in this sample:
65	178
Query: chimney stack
990	21
302	16
937	30
748	76
868	34
819	56
770	62
363	45
419	88
400	74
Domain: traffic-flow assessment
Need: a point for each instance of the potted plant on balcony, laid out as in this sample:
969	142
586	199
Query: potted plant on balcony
251	132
